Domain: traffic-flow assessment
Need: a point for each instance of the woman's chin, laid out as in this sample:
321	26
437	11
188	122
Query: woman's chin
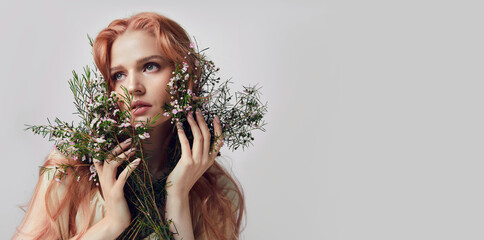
143	120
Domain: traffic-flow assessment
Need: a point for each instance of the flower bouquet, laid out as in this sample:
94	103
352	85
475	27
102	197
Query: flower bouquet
103	125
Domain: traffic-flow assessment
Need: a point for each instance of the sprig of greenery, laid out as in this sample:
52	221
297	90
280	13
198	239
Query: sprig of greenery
103	125
239	119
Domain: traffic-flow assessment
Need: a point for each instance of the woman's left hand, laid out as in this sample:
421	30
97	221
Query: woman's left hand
194	162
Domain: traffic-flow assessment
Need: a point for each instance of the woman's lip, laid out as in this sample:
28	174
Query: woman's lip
140	110
139	103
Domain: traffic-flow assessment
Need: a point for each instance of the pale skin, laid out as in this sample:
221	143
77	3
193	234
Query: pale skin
192	164
146	81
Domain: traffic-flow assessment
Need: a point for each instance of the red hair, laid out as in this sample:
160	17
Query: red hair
60	200
170	36
206	197
214	213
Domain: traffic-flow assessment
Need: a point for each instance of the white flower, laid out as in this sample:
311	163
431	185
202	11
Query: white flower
144	136
94	122
92	168
100	140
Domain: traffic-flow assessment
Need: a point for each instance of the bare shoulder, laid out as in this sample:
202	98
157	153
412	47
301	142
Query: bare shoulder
55	154
57	158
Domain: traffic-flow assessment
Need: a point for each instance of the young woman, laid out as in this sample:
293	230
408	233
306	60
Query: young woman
203	200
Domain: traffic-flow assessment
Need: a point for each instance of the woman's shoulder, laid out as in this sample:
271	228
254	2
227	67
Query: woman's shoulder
52	165
55	158
49	167
55	154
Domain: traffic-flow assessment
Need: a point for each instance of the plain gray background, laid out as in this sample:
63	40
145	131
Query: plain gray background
375	123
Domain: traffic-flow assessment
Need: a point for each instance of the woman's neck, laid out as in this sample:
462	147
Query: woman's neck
155	149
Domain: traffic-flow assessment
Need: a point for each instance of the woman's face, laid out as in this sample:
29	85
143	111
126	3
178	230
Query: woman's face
138	64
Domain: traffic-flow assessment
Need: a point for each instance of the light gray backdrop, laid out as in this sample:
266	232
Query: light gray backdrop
375	108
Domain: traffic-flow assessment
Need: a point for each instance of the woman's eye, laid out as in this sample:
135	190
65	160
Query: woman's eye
116	76
151	66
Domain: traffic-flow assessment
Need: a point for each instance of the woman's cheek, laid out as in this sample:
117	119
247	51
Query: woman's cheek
121	105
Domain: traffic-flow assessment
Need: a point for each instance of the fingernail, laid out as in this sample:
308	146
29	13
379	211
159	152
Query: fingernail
198	111
217	120
136	162
179	125
127	140
190	114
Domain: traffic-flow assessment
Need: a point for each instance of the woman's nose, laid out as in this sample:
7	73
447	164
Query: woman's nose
135	85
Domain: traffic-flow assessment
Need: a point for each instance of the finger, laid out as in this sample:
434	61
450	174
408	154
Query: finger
112	166
118	160
99	169
217	129
205	132
126	173
124	156
185	145
197	149
120	148
98	166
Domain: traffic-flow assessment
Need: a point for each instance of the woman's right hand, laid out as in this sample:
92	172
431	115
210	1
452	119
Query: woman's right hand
117	216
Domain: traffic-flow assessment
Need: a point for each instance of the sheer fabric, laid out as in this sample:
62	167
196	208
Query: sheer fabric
98	205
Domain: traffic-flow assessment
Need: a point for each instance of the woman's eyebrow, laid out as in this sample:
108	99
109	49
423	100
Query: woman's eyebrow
141	60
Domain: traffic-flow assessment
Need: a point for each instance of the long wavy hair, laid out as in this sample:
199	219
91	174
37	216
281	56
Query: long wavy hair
214	214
